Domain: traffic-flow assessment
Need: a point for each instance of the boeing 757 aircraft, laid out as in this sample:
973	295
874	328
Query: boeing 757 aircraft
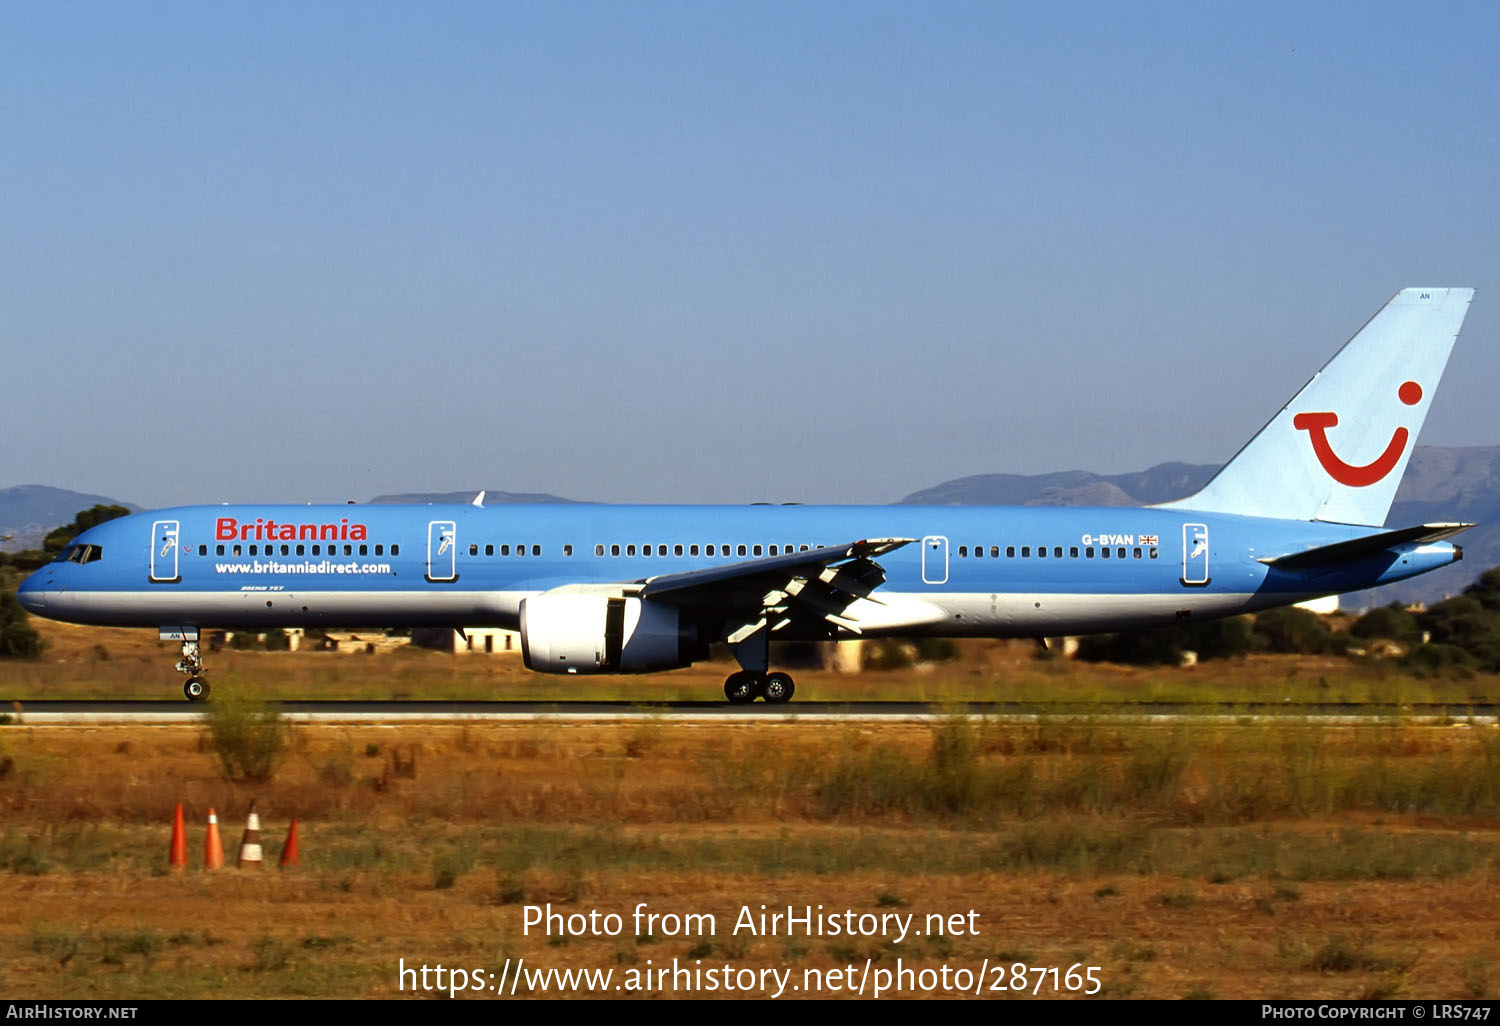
1298	513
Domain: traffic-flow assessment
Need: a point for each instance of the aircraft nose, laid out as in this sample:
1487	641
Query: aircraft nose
32	594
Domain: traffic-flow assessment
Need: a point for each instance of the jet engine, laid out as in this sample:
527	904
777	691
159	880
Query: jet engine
568	633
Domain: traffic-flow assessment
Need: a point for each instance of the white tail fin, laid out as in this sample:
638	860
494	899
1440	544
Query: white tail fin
1337	451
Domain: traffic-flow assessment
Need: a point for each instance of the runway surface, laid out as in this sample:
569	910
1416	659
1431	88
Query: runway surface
166	711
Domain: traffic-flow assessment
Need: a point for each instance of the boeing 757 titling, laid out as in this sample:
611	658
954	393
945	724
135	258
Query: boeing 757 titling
1298	513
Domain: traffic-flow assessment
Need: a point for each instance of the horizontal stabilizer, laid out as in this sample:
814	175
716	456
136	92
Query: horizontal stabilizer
1358	548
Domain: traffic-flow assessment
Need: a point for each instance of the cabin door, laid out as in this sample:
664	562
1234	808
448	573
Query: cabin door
164	551
1195	555
442	550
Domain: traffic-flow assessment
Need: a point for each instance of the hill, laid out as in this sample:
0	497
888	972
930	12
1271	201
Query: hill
28	512
492	497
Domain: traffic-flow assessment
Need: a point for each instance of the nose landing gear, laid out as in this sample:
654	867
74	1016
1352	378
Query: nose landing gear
196	689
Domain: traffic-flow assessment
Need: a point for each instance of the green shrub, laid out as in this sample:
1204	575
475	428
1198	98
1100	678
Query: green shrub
1292	630
248	734
17	638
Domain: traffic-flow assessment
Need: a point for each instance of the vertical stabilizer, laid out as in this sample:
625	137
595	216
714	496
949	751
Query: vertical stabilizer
1337	451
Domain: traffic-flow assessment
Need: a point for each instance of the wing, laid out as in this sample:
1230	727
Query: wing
817	585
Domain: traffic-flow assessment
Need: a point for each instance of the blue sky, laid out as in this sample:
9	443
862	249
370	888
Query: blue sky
714	252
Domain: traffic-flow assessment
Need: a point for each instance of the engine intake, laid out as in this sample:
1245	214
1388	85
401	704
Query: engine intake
604	634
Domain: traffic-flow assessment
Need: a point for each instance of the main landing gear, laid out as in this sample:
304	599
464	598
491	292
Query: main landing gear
196	689
745	686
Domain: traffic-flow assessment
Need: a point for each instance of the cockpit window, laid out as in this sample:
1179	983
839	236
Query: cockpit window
80	554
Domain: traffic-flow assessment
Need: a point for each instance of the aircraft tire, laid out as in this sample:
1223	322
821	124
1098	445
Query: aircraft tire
195	689
741	687
777	688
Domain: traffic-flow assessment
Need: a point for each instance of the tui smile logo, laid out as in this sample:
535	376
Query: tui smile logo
1317	424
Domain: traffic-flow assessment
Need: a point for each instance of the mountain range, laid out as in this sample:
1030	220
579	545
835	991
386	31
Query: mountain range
1441	484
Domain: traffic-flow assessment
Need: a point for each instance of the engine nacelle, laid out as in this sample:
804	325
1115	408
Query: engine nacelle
568	633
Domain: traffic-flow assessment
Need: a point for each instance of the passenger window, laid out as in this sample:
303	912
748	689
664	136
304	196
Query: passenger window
317	550
489	550
645	550
1103	553
677	549
756	551
1153	552
979	551
693	549
473	550
599	549
1088	553
630	550
772	550
614	550
1057	552
237	550
202	550
1041	552
302	550
709	549
1073	552
286	550
219	550
379	550
994	552
505	550
1010	552
1121	553
742	550
348	550
1025	551
395	550
567	550
963	550
1137	553
521	549
536	550
802	548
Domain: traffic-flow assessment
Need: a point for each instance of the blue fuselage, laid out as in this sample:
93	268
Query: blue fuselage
979	571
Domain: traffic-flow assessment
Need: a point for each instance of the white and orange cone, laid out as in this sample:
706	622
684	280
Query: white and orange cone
213	846
250	857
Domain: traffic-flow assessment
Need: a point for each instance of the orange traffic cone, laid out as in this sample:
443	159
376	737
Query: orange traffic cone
289	854
249	857
213	847
178	856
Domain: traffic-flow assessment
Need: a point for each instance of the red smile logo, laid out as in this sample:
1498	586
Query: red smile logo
1317	424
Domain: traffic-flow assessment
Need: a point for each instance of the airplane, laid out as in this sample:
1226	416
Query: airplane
1296	514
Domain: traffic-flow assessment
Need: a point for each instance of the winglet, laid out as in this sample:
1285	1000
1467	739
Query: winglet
478	500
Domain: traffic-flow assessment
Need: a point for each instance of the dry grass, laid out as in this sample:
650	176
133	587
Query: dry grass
1230	862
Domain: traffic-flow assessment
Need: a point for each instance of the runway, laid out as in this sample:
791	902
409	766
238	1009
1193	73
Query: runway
80	712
